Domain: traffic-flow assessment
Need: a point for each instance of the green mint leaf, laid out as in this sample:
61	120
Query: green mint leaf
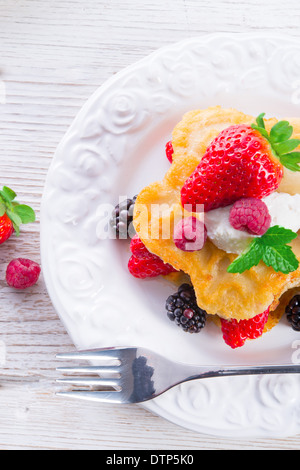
272	249
281	131
260	120
286	146
277	235
26	213
249	258
280	258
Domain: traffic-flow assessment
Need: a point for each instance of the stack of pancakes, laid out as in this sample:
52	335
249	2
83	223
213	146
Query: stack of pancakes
221	294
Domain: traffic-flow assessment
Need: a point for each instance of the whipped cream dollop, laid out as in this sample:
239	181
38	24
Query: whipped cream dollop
283	208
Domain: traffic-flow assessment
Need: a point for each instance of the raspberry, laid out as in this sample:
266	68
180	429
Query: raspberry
250	215
235	333
169	151
22	273
190	234
143	263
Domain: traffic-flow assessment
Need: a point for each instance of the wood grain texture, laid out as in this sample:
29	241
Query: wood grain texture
54	55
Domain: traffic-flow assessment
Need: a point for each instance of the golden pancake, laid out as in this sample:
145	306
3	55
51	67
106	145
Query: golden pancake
239	296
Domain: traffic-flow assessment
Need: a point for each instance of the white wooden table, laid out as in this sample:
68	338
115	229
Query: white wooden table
54	55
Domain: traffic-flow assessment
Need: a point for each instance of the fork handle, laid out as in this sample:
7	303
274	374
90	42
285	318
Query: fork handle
257	370
199	372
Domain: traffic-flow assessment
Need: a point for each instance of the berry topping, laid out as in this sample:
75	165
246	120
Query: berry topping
235	333
122	218
250	215
183	309
238	163
22	273
190	234
143	263
169	151
293	312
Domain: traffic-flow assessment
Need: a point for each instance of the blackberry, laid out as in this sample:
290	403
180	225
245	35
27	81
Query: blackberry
293	312
183	309
122	217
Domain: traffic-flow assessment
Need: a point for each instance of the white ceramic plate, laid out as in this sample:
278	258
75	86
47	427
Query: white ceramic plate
115	147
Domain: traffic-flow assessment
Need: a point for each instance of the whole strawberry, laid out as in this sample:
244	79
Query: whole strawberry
12	214
6	228
235	333
143	268
143	263
242	161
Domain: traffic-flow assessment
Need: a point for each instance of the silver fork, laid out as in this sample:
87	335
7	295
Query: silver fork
141	374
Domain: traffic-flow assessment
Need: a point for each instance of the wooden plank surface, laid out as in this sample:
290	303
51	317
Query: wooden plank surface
54	55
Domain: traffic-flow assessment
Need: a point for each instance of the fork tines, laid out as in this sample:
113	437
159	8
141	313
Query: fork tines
95	387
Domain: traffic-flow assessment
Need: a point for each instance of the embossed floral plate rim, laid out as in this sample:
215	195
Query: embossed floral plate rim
133	113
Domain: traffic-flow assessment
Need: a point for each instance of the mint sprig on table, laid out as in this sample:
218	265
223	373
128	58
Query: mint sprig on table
272	248
18	213
281	143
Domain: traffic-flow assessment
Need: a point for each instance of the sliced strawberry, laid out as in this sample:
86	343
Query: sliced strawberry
169	151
